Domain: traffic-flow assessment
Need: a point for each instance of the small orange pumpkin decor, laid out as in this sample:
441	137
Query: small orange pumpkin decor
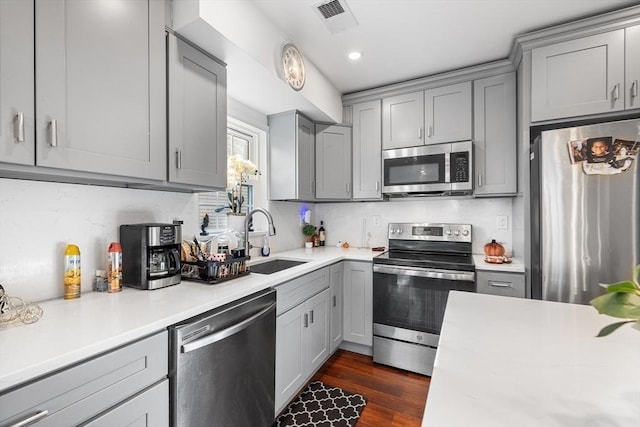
493	249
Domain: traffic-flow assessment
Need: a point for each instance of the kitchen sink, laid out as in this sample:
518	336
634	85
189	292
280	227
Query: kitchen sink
274	266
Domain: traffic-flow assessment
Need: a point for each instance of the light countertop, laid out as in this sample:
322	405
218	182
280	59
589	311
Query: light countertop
505	362
516	265
73	330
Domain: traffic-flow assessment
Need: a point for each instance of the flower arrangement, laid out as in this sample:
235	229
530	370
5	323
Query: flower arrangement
622	300
238	172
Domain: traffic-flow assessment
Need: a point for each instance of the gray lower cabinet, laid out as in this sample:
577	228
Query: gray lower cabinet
336	286
291	157
302	332
17	111
110	389
447	113
358	302
333	162
197	116
101	88
495	141
589	75
367	150
500	283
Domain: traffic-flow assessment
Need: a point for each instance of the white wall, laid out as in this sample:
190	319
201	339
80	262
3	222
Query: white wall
38	219
344	221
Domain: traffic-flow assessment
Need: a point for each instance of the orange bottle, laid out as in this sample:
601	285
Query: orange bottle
114	268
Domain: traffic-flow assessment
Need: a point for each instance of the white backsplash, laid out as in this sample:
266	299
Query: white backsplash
346	221
38	219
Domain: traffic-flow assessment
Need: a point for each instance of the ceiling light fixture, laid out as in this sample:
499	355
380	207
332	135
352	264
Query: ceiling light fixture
354	56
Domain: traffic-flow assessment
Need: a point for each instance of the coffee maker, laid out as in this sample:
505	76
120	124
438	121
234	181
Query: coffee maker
150	255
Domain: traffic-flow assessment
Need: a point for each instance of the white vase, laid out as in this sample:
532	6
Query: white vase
236	222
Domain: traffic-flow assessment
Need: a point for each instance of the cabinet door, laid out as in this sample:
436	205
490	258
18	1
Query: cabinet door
333	162
632	67
578	77
305	170
100	87
197	116
149	409
17	141
495	135
291	354
448	113
403	120
318	330
367	150
499	283
358	302
336	304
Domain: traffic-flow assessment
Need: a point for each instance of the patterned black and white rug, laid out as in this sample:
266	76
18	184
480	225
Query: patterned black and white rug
322	405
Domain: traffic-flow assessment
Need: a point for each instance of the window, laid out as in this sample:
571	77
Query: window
239	143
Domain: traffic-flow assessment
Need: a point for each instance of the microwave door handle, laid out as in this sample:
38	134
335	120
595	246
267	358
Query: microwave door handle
447	168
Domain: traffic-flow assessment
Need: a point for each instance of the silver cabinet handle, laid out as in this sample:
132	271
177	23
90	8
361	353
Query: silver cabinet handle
178	159
311	316
499	284
479	180
634	89
419	133
31	419
348	187
334	301
306	320
19	127
377	186
53	129
429	131
616	92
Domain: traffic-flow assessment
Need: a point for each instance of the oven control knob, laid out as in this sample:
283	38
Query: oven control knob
448	232
457	232
465	233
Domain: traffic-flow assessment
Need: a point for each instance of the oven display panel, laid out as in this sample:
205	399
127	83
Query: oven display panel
427	231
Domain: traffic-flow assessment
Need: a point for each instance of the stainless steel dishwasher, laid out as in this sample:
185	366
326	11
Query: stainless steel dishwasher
222	365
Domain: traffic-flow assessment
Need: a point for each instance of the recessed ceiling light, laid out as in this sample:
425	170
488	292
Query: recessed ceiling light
355	56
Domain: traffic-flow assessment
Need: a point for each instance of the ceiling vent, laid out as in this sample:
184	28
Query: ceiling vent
336	15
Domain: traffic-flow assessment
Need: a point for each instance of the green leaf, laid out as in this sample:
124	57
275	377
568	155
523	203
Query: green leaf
621	304
626	287
612	327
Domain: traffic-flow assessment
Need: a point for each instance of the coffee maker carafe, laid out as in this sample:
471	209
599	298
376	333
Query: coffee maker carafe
150	255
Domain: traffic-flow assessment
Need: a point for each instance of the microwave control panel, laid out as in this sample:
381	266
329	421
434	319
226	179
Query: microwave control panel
459	167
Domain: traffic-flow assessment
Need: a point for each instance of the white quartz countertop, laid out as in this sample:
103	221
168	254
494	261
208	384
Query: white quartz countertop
505	362
72	330
515	266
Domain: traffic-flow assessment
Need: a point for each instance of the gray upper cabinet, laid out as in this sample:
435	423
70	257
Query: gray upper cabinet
447	112
367	150
17	140
333	162
579	77
197	116
632	67
291	157
403	120
101	87
495	143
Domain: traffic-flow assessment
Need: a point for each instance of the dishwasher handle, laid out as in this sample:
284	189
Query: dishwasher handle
225	333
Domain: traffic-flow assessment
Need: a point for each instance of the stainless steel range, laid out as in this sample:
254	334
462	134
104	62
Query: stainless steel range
411	283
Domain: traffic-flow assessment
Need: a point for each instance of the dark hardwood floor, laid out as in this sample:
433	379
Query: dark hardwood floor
394	397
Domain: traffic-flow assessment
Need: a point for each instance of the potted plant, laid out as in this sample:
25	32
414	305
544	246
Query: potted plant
622	300
308	230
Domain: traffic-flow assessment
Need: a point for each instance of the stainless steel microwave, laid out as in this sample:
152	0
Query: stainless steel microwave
429	170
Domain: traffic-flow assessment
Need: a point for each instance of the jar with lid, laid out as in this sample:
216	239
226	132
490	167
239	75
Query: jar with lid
100	281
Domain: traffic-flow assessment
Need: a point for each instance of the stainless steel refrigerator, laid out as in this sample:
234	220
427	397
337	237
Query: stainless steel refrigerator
585	201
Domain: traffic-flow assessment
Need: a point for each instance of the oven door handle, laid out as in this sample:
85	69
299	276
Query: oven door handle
432	273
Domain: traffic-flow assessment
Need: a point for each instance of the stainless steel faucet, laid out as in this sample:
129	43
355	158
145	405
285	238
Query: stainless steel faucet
272	228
